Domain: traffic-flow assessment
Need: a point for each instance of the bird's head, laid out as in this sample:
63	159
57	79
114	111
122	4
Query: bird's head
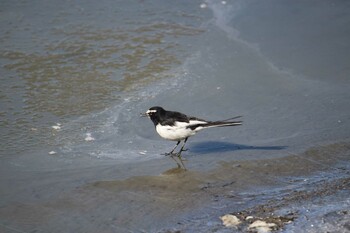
152	112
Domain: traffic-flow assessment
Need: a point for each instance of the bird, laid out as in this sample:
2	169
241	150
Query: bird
176	126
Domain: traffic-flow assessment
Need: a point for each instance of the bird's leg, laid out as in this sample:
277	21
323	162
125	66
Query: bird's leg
182	148
172	151
180	151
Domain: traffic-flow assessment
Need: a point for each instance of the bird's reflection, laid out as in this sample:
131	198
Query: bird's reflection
178	160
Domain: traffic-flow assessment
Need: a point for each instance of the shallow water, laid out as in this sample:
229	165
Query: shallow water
60	63
76	76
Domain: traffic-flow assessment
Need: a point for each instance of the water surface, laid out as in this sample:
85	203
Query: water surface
75	155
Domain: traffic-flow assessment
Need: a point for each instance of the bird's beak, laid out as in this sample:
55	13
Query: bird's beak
143	115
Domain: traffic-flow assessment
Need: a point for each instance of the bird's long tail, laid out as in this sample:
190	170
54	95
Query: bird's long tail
232	118
223	123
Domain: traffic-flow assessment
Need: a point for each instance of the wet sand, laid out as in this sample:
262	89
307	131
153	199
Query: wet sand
276	191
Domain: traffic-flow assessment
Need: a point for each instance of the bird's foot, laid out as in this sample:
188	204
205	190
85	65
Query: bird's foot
171	153
177	154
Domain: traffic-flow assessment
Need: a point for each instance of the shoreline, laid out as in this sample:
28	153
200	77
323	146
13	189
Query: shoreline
190	201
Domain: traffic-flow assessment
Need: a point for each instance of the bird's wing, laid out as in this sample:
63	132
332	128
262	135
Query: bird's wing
171	117
196	119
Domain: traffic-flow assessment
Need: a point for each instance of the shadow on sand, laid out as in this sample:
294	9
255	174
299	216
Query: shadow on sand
217	146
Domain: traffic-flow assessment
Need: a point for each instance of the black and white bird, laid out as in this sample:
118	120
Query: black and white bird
177	126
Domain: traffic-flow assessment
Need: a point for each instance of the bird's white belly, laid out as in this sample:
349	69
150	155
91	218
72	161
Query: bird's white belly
174	133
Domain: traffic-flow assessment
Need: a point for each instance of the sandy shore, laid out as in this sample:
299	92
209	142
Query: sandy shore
306	191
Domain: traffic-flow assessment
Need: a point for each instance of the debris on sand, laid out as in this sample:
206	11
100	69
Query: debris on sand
261	226
245	222
230	220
